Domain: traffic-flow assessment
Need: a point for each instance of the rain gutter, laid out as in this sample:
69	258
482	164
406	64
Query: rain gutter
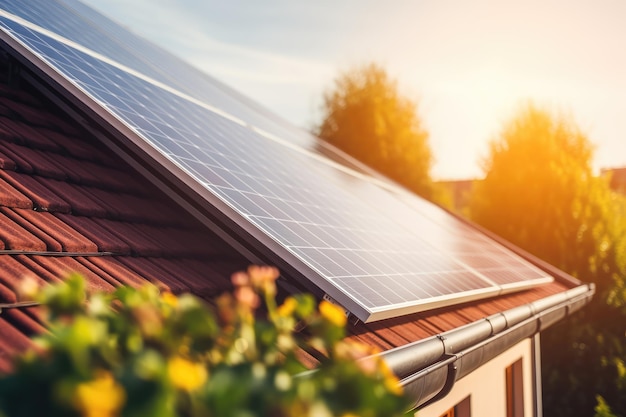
429	368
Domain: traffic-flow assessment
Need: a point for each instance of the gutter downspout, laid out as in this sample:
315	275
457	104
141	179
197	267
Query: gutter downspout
428	369
536	376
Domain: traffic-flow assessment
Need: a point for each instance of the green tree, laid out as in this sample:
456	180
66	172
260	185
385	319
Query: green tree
365	116
540	193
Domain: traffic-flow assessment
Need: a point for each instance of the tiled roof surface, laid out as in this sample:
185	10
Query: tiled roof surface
69	204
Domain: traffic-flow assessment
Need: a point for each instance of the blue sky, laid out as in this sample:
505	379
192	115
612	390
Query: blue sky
468	65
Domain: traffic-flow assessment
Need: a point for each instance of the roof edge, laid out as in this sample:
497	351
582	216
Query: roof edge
558	274
428	369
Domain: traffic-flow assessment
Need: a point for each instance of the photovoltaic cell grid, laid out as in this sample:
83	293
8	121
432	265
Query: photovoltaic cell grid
387	252
81	24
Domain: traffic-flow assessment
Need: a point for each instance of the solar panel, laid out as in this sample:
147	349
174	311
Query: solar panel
376	249
81	24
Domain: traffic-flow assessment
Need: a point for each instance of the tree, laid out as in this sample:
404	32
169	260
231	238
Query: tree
540	193
365	116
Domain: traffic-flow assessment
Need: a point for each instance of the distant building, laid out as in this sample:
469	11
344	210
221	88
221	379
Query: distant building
618	178
460	192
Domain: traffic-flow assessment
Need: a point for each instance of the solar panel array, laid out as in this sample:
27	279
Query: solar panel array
80	24
378	250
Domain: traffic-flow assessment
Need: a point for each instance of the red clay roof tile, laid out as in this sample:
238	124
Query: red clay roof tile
43	198
7	163
83	172
410	328
6	133
18	95
73	146
35	161
115	180
78	197
101	236
40	224
446	320
68	127
152	211
63	266
363	335
140	244
396	337
177	242
37	269
145	267
13	341
12	273
52	244
26	135
215	272
200	277
23	321
5	111
6	294
429	327
100	272
15	237
10	197
307	359
12	151
116	206
28	113
120	272
29	320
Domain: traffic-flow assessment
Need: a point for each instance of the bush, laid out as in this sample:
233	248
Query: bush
139	352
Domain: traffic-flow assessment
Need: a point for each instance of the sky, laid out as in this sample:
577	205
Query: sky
469	65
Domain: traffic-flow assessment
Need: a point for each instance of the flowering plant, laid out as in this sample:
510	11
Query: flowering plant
141	352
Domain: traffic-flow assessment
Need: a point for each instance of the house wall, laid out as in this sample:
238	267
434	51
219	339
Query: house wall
486	386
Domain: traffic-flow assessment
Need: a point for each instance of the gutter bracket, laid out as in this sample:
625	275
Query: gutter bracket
446	349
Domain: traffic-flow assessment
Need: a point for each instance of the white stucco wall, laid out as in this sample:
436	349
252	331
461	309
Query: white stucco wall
487	386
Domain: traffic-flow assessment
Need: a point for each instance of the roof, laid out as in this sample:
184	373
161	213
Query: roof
618	178
68	203
460	192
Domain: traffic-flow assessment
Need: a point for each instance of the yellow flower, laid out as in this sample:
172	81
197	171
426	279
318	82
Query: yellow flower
185	374
393	385
333	313
390	380
169	299
288	307
100	397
